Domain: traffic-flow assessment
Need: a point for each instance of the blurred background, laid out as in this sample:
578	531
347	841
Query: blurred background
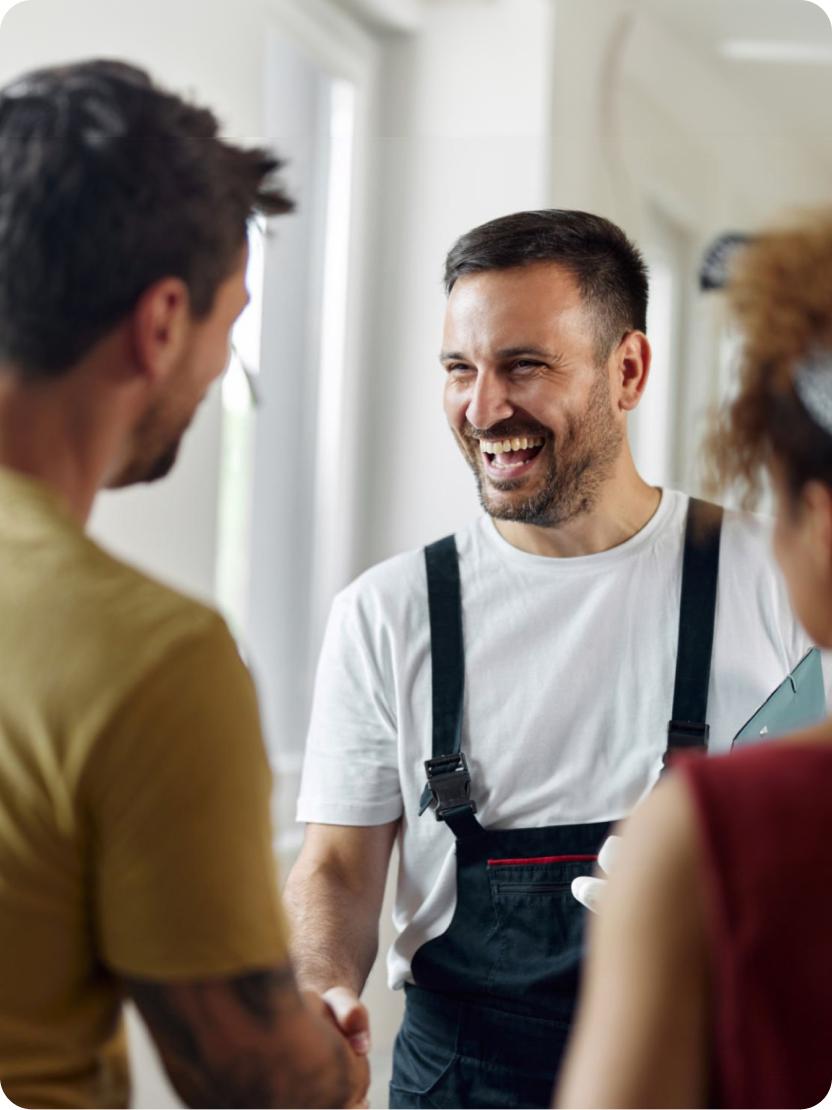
405	123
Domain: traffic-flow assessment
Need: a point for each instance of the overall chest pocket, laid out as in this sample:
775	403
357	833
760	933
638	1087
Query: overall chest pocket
540	925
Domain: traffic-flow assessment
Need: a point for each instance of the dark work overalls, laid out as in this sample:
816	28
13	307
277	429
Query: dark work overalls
486	1021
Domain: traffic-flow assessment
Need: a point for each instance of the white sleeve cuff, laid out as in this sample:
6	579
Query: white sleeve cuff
312	811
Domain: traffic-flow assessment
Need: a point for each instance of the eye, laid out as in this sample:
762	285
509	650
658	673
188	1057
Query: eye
458	368
526	364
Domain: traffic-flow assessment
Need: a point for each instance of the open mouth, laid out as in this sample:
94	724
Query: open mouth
512	456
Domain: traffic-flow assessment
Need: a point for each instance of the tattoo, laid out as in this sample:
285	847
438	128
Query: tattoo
241	1042
261	994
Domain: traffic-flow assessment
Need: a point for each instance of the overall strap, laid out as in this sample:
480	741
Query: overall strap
449	781
688	729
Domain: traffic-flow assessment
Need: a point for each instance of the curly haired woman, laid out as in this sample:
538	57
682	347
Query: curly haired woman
710	973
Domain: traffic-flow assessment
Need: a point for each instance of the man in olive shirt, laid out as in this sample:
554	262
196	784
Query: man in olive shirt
135	839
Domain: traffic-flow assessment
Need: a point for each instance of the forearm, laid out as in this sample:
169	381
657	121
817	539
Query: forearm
334	929
249	1041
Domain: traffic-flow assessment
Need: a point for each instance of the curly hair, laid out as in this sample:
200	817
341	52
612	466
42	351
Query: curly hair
109	183
780	295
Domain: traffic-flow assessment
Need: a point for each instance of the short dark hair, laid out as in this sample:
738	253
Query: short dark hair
609	269
108	184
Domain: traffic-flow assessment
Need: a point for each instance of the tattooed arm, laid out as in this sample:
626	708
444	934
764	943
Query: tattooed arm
251	1040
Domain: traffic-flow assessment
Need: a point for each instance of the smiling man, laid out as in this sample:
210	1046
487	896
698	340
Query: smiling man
538	669
536	419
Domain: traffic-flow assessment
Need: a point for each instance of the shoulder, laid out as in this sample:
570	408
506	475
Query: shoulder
741	529
162	613
392	588
748	536
764	778
387	583
133	623
744	535
175	690
750	578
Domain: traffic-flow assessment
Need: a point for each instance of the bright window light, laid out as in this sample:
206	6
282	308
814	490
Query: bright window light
237	450
334	308
333	328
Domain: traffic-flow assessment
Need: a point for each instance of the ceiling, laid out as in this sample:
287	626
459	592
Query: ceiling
708	21
800	94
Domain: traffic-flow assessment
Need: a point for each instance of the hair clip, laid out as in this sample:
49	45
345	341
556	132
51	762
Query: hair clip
715	270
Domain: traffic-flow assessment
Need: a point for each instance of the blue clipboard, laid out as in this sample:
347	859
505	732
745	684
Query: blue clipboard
799	701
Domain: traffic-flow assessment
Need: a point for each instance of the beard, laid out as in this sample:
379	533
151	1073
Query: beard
155	452
576	466
147	470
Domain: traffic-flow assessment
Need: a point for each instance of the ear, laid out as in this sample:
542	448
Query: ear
160	325
631	369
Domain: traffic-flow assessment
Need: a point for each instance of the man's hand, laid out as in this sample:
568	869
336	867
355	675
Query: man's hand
351	1017
352	1012
333	897
588	889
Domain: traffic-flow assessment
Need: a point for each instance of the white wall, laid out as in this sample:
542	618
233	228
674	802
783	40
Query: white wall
643	118
640	111
463	137
718	160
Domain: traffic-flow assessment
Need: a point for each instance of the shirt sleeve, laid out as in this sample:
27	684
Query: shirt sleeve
350	771
178	791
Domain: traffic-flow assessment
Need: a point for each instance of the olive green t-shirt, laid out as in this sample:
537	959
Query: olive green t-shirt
135	834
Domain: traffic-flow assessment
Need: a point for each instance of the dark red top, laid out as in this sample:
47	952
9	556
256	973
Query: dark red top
765	816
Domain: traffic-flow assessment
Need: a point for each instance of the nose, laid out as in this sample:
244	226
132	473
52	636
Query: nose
489	403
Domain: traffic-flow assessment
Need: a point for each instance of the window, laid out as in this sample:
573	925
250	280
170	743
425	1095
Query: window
285	514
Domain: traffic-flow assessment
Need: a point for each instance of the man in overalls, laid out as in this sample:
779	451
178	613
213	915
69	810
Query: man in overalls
495	701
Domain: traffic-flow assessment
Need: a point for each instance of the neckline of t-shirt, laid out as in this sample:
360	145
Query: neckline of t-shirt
671	504
35	492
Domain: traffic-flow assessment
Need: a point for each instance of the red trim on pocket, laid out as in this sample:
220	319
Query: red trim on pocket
540	859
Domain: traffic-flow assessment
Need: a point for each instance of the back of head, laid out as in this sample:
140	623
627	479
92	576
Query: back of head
780	292
608	268
108	184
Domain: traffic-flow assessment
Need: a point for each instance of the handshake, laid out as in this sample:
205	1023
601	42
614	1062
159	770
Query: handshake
342	1006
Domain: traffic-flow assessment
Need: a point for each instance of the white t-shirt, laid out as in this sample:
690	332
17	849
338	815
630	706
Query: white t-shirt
569	675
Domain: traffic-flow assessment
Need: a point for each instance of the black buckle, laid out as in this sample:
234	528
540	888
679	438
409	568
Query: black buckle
448	785
688	734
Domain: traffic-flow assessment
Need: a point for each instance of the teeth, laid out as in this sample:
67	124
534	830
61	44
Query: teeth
518	443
